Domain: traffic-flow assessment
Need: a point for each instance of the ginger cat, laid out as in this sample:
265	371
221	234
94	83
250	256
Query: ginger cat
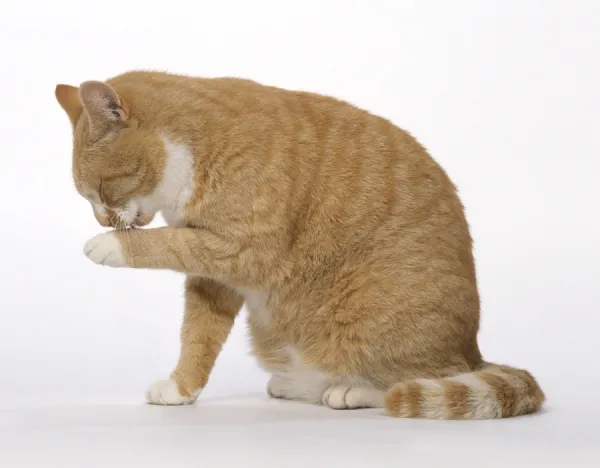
345	239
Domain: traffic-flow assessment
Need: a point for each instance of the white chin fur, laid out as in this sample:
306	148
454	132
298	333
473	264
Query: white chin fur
128	214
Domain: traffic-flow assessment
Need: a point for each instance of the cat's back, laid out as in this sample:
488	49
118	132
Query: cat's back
236	95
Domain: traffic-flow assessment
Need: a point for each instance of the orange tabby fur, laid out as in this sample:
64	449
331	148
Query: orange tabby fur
347	241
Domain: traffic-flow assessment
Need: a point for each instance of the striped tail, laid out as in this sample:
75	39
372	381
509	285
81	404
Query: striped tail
491	392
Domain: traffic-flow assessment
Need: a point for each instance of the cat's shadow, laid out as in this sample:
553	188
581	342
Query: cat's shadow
253	409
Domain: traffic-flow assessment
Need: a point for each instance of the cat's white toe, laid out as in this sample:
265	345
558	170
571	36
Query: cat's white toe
335	396
348	397
105	249
166	392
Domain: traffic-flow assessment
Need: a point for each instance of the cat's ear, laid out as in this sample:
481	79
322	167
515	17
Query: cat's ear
68	98
102	104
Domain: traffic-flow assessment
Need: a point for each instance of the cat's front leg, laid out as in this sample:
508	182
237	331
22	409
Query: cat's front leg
192	251
210	309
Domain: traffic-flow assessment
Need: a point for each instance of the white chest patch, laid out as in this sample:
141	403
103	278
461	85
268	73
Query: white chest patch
176	186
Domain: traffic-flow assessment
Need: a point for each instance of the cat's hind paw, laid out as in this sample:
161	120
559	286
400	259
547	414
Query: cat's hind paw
349	397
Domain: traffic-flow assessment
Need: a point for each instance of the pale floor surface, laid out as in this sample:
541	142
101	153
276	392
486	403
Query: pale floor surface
256	431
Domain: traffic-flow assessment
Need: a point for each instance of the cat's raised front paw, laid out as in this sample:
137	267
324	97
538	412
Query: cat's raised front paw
105	249
166	392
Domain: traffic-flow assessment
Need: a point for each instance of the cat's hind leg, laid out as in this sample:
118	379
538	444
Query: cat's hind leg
307	387
279	387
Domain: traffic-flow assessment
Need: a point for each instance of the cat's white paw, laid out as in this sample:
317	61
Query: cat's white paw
105	249
166	392
348	397
335	396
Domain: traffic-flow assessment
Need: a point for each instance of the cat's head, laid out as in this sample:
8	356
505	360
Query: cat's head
114	160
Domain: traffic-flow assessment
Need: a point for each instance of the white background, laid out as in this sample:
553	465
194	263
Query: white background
504	94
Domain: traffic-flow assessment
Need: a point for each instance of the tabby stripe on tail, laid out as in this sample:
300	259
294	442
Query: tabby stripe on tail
492	392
